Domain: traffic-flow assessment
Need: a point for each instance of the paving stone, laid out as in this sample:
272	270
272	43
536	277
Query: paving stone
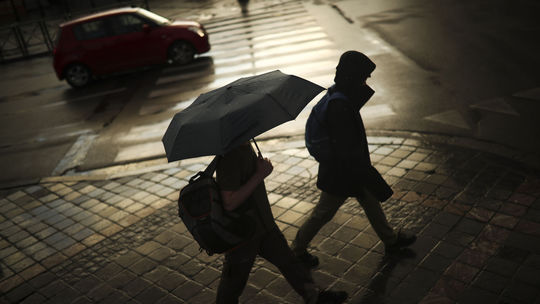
187	290
171	299
474	258
365	240
143	265
209	275
121	279
469	226
156	274
34	298
331	246
262	277
19	293
461	272
173	280
408	292
521	292
136	286
491	282
449	288
474	295
151	294
87	283
503	267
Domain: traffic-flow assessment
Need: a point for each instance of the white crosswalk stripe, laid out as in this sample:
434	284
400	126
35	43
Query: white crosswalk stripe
273	36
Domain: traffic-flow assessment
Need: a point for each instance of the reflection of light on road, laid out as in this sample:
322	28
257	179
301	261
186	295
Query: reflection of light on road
145	132
300	32
297	41
146	150
376	111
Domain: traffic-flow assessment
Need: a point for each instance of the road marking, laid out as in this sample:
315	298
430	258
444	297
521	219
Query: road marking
289	40
64	102
76	154
498	105
452	118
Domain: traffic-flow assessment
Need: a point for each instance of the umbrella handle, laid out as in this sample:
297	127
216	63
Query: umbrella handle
257	146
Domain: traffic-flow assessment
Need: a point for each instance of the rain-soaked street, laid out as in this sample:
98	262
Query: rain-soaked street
434	75
88	200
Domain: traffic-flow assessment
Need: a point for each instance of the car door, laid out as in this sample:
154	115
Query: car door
94	45
134	40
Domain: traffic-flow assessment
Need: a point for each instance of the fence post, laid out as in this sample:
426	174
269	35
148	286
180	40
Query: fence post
46	35
20	40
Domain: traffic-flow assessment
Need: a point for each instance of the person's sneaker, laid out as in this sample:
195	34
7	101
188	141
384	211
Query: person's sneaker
403	240
332	297
310	260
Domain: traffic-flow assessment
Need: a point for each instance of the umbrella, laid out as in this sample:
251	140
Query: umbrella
224	118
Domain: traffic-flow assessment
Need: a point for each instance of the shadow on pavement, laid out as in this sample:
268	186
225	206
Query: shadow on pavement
376	291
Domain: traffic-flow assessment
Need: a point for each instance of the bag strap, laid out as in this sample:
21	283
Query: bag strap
212	166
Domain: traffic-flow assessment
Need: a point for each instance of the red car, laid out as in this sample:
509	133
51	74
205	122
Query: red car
122	39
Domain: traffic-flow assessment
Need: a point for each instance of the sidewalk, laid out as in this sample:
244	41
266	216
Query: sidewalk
112	239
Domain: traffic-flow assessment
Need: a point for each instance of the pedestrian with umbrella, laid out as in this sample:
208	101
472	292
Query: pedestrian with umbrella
222	122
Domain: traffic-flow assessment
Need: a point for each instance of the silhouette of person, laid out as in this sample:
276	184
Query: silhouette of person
243	5
240	176
349	172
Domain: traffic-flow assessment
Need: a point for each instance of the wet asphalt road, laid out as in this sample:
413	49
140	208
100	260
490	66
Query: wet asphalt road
463	70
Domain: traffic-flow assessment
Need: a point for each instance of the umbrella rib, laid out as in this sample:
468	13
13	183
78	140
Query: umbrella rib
280	105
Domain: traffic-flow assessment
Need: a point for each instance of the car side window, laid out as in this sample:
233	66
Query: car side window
126	23
90	30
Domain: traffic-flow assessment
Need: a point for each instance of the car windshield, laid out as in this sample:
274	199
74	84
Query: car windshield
157	18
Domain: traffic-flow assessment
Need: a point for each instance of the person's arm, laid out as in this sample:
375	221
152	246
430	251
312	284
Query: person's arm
233	199
343	130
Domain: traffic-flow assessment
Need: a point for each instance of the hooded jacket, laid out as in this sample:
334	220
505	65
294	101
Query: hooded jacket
350	170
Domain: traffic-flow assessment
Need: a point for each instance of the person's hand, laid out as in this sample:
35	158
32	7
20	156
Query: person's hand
264	167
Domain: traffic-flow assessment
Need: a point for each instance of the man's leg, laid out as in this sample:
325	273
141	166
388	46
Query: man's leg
393	242
276	250
377	218
322	213
235	273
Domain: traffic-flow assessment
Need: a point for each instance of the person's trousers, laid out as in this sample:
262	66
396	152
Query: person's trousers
274	248
327	207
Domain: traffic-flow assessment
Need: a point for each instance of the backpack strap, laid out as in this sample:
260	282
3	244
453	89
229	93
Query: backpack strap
212	166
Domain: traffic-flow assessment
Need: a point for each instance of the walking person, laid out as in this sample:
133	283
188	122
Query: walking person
240	176
348	172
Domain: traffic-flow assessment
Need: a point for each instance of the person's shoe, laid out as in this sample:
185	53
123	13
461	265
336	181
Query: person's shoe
310	260
403	240
332	297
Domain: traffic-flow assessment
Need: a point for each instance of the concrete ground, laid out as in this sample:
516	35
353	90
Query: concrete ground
108	237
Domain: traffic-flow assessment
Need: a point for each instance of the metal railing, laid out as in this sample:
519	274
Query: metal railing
21	40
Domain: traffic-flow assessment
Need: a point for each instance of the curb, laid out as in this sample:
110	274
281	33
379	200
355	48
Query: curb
273	144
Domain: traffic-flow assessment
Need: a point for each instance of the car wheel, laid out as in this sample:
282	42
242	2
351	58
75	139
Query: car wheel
78	75
181	52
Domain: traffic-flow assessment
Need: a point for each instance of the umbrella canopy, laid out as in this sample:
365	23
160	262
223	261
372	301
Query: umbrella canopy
224	118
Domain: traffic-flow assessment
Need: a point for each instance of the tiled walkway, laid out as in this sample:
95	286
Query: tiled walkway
119	240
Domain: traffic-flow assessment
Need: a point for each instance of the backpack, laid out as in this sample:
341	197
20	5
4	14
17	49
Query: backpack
318	141
200	208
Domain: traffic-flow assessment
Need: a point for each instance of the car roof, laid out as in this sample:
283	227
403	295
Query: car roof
101	14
